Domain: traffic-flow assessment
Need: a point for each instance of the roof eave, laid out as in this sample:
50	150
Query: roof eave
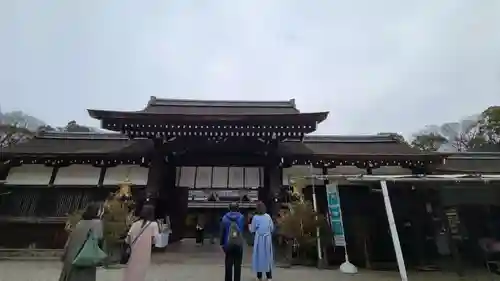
367	156
317	117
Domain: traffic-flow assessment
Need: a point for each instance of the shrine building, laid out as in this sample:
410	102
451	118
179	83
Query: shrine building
186	157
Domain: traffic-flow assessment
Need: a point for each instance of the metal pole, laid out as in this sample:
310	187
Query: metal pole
315	208
394	232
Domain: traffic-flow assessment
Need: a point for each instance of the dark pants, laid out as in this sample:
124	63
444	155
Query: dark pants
200	236
269	275
234	256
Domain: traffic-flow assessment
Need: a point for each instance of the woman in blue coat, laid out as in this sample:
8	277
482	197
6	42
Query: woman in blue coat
262	258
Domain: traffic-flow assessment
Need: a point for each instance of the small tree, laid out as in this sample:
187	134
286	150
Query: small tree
300	224
117	217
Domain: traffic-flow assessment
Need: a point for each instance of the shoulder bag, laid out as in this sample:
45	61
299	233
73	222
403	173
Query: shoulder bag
90	255
127	248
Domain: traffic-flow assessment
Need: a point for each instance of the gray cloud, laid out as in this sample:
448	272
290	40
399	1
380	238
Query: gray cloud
381	65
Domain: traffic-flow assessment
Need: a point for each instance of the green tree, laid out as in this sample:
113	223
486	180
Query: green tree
74	127
489	127
46	128
300	223
429	141
13	134
469	134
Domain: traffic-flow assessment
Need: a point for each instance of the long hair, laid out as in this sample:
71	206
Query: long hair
147	214
91	211
261	208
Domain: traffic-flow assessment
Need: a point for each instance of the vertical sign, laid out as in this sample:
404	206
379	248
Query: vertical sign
335	214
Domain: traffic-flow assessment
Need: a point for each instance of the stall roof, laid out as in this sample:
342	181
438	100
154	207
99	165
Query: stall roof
334	147
472	162
59	143
365	146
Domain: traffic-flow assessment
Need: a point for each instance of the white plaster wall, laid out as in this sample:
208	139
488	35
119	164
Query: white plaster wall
300	171
78	175
220	175
252	177
29	174
203	177
236	177
187	177
137	175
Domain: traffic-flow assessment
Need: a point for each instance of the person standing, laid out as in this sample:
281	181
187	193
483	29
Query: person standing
90	223
141	236
231	240
262	256
200	230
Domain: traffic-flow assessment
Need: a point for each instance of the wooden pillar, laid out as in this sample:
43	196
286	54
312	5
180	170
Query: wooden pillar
155	177
177	204
265	190
271	189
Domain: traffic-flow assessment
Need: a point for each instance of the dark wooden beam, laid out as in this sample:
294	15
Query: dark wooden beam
53	176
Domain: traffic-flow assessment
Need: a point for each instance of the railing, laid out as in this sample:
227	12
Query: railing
44	203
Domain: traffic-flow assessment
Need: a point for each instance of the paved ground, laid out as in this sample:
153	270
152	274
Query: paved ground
187	262
49	271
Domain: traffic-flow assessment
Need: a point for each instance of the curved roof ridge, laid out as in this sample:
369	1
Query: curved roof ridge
154	101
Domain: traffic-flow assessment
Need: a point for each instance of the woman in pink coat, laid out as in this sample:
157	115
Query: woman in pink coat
141	236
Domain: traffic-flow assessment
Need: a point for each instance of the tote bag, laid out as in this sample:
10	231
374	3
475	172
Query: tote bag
90	255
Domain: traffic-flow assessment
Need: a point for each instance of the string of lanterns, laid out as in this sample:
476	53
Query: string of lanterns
286	162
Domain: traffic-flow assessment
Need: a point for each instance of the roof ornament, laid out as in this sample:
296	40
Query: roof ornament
297	187
124	191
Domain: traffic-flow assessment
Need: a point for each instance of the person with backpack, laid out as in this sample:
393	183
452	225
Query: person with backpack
231	241
262	256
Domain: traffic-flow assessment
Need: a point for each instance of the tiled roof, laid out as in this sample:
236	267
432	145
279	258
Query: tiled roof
328	146
219	107
79	143
472	162
349	145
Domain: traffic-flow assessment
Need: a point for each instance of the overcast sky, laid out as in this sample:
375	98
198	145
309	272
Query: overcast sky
384	65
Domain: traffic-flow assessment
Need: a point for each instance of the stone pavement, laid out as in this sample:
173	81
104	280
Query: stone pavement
49	271
186	261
